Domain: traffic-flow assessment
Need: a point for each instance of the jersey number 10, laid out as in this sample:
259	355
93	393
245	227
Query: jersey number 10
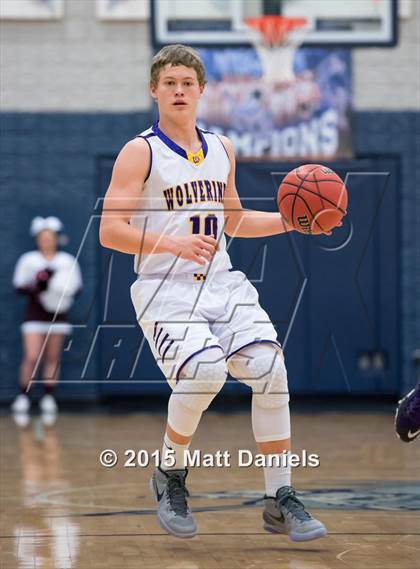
210	225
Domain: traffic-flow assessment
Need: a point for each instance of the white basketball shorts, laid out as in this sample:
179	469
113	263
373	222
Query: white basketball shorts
181	317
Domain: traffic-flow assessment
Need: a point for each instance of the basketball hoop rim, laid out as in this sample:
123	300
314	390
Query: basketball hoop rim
275	28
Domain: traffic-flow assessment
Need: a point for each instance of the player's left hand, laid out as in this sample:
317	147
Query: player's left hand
339	224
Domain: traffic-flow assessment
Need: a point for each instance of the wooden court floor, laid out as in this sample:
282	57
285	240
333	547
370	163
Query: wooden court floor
61	509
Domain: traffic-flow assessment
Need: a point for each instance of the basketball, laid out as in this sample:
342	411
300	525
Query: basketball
312	198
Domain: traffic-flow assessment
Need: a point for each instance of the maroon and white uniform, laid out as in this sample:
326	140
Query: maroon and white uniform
50	285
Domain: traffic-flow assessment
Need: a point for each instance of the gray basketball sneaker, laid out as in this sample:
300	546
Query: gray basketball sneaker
286	514
174	515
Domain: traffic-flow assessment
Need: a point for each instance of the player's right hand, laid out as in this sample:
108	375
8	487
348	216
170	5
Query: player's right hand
198	248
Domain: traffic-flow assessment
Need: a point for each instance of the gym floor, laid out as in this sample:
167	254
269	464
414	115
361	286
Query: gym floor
62	509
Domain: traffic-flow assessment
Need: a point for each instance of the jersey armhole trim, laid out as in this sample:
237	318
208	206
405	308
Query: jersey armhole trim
151	154
224	148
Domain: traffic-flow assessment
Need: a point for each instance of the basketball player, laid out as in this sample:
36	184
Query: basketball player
171	198
49	279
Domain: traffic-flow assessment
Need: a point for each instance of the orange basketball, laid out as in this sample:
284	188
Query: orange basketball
312	198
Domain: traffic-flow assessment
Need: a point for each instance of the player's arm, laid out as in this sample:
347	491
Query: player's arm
241	222
123	199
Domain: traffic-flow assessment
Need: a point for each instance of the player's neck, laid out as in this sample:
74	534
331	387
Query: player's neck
183	133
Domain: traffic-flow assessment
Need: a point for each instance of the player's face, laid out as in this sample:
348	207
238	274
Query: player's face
178	91
46	241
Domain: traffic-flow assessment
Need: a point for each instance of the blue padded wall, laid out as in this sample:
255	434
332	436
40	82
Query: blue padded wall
59	164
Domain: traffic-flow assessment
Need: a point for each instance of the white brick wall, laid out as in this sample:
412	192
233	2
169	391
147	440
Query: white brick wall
389	79
76	64
83	64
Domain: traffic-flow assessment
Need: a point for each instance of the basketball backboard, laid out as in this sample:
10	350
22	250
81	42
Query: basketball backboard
222	22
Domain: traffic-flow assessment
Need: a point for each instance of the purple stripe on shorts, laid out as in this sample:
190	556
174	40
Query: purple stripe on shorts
162	342
157	337
166	349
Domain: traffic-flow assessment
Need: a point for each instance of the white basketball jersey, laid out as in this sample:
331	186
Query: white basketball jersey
183	195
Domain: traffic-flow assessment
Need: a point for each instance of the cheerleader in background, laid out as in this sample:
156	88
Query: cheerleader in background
50	279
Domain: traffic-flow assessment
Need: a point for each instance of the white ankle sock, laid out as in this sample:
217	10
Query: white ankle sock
175	459
276	476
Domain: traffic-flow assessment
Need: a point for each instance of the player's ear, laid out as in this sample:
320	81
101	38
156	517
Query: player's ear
152	91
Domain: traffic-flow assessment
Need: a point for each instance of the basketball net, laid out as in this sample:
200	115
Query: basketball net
276	43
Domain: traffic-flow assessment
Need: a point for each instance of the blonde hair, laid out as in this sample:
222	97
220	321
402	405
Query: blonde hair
175	55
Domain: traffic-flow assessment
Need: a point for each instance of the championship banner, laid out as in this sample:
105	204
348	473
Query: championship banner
307	117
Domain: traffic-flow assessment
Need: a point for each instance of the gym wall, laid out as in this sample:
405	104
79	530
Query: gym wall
74	91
